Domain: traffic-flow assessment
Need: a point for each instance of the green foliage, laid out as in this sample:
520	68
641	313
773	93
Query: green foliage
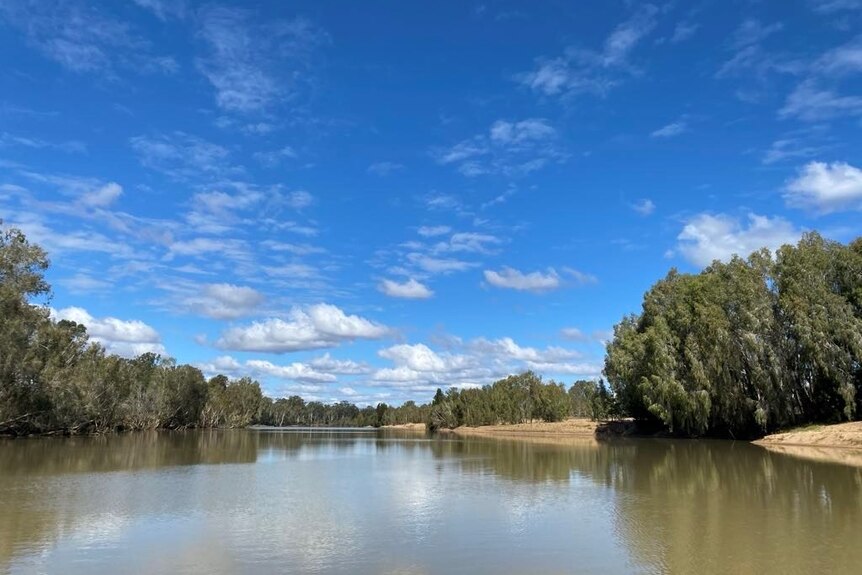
514	399
746	346
54	380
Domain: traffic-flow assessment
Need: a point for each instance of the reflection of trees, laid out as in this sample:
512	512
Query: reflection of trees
522	460
128	452
706	506
29	508
698	506
678	506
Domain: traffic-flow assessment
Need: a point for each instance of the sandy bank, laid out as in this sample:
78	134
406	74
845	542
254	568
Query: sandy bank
574	427
840	443
407	426
839	435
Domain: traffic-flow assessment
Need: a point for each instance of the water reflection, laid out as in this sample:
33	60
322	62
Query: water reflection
366	502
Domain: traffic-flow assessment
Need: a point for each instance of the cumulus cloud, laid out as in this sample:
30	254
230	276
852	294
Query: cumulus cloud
128	338
411	289
510	278
418	367
223	300
328	364
312	327
295	371
826	188
708	237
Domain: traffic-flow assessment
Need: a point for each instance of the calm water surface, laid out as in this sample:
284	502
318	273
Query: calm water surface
355	502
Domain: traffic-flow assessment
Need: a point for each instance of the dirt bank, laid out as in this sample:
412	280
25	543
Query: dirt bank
839	435
407	426
574	427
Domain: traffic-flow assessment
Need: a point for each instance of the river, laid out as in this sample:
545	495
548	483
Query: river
383	502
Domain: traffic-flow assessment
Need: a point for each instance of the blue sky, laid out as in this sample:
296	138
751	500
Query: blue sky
367	201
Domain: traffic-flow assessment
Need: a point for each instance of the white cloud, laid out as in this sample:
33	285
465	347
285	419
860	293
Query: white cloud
128	338
431	231
418	368
580	277
71	146
708	237
832	6
181	156
81	38
683	31
254	66
573	333
438	265
506	347
671	130
751	32
417	357
511	133
509	148
845	59
510	278
164	9
223	300
328	364
411	289
749	55
579	70
299	199
469	242
295	371
103	196
810	103
826	187
312	327
790	148
644	207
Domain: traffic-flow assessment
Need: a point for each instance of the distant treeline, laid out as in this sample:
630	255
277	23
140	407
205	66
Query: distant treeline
747	346
519	399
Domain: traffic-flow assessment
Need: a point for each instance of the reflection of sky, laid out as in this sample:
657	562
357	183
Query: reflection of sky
361	504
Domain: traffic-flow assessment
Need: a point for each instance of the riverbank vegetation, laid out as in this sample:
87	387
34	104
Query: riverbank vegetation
520	399
53	379
748	346
741	349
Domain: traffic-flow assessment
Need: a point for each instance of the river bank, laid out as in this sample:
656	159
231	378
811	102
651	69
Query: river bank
846	435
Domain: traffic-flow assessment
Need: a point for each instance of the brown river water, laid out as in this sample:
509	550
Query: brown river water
383	502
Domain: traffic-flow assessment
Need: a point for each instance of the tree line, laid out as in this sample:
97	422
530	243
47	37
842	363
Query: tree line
53	379
739	349
748	346
519	399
